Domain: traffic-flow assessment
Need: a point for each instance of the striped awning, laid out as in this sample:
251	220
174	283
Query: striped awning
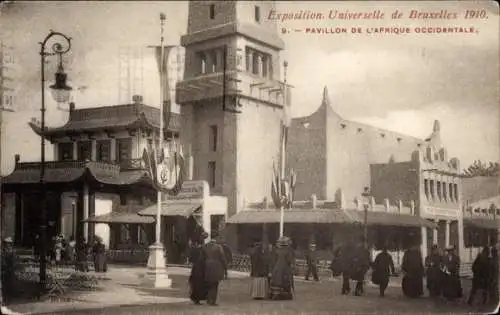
119	217
183	208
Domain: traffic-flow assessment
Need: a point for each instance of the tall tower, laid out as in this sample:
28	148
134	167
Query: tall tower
234	152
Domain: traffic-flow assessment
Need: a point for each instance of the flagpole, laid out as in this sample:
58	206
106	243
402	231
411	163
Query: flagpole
162	97
283	153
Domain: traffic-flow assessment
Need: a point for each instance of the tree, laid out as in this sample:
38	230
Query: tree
479	168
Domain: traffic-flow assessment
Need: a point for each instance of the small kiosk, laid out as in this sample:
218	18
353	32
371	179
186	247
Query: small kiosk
186	216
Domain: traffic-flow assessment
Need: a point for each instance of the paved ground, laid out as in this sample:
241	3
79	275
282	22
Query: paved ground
120	286
122	293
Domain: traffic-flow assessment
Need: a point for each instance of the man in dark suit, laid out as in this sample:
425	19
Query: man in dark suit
312	262
215	269
494	270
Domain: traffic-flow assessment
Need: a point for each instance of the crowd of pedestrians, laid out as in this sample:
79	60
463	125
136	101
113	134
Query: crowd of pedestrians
273	269
64	251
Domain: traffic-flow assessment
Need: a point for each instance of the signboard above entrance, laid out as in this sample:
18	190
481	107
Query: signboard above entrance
191	190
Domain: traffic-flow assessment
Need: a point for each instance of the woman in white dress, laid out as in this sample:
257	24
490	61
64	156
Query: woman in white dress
259	272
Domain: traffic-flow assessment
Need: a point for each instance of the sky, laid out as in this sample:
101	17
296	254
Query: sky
397	82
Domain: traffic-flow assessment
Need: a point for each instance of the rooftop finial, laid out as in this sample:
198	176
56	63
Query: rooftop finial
436	126
326	98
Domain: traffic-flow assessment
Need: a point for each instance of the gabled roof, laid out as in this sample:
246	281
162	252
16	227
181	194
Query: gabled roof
111	117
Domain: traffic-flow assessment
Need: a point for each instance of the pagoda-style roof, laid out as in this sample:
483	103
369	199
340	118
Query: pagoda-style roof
106	118
71	171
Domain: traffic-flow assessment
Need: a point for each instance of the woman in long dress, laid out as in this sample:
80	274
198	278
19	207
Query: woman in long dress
434	272
259	272
383	267
282	273
70	250
481	276
99	251
81	255
413	270
198	289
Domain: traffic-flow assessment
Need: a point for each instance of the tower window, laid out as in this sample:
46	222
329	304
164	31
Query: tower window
213	56
438	189
258	62
255	63
264	66
212	11
202	59
426	188
257	14
270	63
248	60
211	174
213	138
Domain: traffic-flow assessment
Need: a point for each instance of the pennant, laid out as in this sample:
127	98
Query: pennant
287	115
165	88
275	193
293	181
287	104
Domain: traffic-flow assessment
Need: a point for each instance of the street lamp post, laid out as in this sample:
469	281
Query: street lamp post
61	93
366	206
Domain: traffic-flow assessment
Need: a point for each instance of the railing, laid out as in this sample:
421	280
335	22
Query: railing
51	164
135	256
240	262
129	164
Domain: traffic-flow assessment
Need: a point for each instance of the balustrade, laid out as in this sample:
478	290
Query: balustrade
129	164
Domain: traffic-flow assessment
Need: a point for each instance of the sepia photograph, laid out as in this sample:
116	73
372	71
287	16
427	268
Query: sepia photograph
249	157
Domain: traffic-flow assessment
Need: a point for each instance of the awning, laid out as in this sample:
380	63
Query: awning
291	216
120	217
328	217
183	208
392	219
483	223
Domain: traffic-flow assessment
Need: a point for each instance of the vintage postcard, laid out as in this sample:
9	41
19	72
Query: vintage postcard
249	157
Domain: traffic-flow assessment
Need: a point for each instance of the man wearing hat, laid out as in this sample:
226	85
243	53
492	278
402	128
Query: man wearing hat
493	289
215	269
199	290
312	261
8	268
452	288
